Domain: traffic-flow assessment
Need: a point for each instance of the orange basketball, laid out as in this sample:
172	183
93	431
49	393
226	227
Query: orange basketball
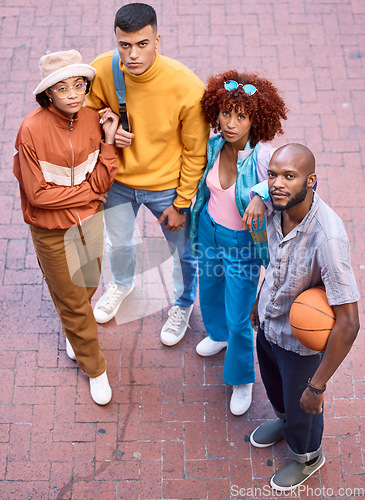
312	318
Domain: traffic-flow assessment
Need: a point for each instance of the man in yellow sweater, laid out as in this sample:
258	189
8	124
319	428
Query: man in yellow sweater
161	159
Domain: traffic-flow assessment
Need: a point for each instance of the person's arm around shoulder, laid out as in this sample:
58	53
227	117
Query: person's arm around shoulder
338	346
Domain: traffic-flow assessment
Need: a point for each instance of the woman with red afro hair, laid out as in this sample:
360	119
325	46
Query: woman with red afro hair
246	111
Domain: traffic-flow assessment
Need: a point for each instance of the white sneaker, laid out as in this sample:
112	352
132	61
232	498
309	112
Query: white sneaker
241	399
100	389
70	351
209	347
176	325
107	306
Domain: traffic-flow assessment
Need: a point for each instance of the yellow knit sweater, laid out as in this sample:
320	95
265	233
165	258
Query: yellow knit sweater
169	147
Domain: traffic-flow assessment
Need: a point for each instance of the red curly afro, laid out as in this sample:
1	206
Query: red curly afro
265	107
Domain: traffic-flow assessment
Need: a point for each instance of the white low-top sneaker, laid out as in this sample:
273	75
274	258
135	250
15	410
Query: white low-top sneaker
107	306
70	351
209	347
241	399
100	389
176	325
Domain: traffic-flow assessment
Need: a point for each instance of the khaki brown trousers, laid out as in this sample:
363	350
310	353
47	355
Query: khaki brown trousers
70	261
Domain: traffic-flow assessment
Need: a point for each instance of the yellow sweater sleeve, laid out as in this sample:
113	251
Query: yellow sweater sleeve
194	137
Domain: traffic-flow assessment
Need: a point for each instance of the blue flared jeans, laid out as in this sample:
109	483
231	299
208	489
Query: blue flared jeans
229	271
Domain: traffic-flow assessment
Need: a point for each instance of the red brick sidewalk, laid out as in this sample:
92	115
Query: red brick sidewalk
168	433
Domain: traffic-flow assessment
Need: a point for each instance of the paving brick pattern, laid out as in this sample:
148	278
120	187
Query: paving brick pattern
168	432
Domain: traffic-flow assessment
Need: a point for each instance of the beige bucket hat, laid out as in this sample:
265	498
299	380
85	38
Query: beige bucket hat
58	66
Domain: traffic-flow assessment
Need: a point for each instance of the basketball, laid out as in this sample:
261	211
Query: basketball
312	318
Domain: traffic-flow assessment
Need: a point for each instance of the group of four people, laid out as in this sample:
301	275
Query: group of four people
68	166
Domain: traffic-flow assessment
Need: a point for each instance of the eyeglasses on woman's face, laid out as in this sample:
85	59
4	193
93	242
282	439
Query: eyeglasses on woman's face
64	91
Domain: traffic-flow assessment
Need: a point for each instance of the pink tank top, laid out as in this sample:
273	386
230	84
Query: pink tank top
222	203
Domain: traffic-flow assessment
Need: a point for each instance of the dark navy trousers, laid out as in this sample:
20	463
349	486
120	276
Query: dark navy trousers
285	375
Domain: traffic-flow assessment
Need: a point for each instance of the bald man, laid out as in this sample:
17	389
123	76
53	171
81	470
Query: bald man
308	247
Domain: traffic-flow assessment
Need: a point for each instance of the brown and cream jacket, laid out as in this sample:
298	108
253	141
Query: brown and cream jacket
62	166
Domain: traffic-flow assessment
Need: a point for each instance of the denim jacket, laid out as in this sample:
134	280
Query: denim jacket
246	178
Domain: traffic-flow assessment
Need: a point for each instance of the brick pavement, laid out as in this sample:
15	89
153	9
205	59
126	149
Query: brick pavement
168	432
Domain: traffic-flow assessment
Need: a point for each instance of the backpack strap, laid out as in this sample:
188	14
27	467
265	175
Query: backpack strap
119	84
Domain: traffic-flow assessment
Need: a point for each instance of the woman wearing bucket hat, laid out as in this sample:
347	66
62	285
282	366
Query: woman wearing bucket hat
65	166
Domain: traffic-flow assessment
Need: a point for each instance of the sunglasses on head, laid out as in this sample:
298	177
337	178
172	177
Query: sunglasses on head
248	88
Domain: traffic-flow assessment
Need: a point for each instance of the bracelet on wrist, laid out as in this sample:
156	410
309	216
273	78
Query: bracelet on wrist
182	211
316	390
